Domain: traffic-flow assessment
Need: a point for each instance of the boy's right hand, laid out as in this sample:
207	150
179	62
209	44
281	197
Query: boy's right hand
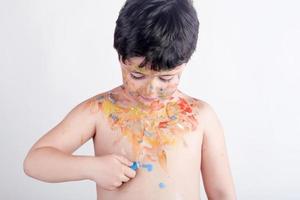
110	171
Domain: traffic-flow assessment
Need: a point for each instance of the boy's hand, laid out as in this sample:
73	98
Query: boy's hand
110	171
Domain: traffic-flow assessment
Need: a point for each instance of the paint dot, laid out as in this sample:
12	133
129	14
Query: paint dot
114	117
162	185
149	167
173	117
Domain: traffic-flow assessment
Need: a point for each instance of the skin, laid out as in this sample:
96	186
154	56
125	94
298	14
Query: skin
150	125
198	145
141	83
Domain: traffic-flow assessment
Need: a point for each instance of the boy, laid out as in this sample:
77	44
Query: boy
150	139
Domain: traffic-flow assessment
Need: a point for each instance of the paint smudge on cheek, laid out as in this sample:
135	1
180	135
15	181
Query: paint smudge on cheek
167	93
169	88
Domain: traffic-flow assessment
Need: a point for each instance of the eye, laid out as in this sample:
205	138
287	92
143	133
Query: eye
166	78
137	76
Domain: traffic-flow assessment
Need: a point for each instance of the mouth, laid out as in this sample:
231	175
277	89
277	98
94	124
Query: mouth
148	99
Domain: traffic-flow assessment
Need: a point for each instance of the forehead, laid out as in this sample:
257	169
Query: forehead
133	66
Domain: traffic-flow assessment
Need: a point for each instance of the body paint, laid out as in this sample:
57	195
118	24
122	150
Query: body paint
136	165
148	167
147	87
150	131
162	185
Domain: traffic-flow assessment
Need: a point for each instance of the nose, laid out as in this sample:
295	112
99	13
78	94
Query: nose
150	91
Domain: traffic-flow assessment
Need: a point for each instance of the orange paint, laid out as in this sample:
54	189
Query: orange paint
150	131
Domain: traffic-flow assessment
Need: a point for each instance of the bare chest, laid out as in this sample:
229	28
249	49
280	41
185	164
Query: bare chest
166	144
175	176
147	135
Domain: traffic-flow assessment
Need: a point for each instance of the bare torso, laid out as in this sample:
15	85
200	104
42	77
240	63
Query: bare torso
167	171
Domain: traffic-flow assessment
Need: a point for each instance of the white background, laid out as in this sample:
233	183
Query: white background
55	54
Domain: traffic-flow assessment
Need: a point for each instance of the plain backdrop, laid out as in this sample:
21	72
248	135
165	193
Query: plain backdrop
55	54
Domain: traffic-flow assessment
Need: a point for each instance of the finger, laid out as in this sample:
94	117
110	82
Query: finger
110	188
117	184
124	160
129	172
124	178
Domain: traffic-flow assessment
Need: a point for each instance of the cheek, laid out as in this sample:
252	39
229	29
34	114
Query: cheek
132	86
169	88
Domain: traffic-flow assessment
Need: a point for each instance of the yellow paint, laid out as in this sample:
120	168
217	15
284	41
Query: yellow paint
151	131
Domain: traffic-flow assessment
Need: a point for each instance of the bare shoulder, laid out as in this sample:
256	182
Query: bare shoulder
209	118
203	110
90	106
200	107
94	104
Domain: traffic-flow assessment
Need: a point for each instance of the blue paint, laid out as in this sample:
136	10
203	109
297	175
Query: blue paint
173	117
149	167
162	185
134	166
114	117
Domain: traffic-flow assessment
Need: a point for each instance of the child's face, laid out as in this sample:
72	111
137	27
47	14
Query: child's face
146	85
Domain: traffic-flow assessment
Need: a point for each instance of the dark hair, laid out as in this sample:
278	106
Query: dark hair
165	32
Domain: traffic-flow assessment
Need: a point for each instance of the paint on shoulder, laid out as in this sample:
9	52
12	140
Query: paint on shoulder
101	102
195	104
192	107
96	102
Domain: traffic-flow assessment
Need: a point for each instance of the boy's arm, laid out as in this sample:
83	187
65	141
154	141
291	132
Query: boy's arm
217	178
51	160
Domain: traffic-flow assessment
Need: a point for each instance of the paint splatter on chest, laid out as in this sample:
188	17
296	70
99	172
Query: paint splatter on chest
151	131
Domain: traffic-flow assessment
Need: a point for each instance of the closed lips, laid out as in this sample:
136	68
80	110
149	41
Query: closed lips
148	99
